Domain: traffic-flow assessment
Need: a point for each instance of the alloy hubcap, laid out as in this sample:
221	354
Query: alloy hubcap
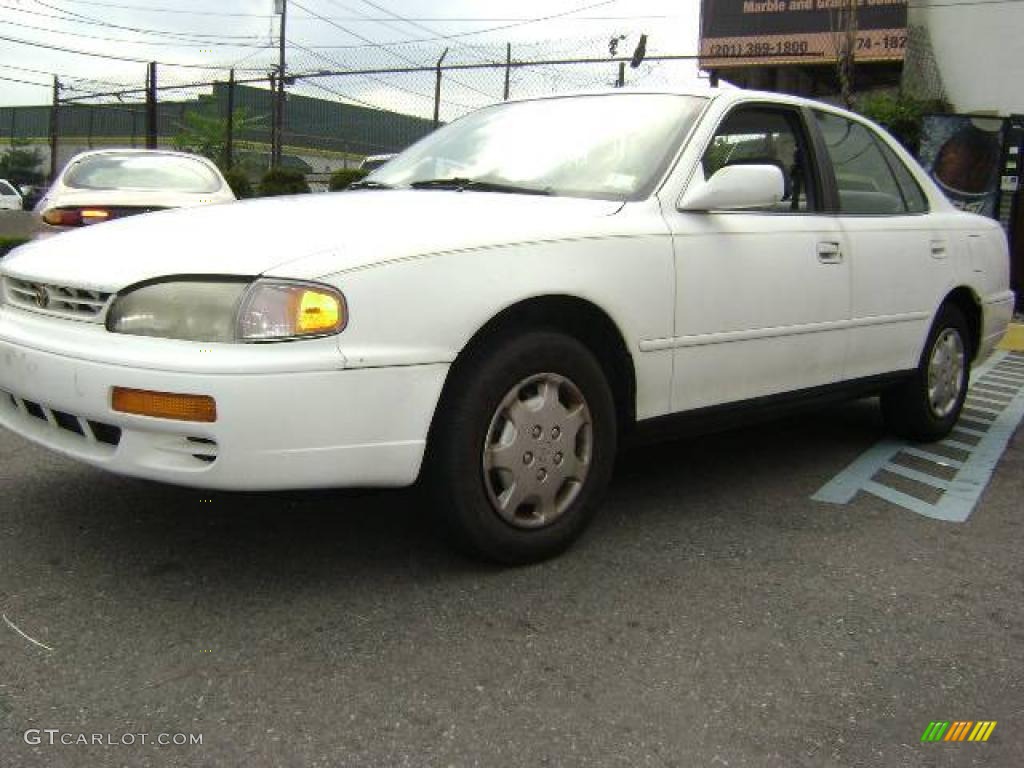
946	373
538	450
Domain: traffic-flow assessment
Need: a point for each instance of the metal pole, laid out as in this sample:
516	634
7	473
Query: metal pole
53	128
621	82
279	115
151	115
229	139
508	68
273	118
437	90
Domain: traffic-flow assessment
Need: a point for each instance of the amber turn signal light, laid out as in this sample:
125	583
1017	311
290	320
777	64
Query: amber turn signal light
164	405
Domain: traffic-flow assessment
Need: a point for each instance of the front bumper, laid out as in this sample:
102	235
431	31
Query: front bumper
288	415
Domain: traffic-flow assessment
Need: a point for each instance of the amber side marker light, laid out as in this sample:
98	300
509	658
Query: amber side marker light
165	405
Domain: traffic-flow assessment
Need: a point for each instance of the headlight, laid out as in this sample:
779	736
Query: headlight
228	311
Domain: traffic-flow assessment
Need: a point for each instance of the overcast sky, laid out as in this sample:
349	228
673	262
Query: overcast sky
335	35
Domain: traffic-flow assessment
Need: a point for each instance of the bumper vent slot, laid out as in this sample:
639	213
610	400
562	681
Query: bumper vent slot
91	431
206	449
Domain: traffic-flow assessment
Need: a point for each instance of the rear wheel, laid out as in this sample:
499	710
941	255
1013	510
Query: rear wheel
928	405
523	447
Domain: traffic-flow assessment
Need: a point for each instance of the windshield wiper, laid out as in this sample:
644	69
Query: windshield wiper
369	184
477	185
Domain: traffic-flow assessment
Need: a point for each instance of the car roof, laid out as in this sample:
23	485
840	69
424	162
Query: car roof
138	151
729	95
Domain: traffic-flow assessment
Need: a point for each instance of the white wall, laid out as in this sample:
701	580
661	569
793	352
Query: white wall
979	50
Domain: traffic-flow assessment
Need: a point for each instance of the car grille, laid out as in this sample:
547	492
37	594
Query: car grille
61	300
88	429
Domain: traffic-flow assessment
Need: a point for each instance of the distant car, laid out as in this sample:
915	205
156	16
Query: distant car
600	268
10	197
110	184
373	162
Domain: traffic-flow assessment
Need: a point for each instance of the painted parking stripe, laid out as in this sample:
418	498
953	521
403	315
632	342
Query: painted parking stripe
995	406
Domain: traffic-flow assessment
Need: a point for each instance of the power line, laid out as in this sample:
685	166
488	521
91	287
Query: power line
390	25
361	18
76	18
429	30
161	43
111	56
455	35
400	56
151	9
372	75
26	69
25	82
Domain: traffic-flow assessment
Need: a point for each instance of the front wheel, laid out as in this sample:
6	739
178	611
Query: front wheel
523	447
928	405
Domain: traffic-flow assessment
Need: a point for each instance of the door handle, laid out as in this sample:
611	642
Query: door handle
830	253
938	249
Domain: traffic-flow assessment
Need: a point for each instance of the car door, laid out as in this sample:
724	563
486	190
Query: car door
10	199
897	260
762	296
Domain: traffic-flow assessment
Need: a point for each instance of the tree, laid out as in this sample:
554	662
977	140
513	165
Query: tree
844	37
206	134
21	163
901	115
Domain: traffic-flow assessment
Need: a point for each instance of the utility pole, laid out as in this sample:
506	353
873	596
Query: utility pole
508	68
282	8
229	139
152	132
53	128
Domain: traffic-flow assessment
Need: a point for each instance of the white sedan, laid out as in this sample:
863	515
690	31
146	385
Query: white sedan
106	184
505	303
10	197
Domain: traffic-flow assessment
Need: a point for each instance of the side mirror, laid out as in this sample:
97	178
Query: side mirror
736	187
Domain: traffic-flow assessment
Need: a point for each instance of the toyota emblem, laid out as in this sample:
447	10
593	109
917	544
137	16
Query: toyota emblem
42	297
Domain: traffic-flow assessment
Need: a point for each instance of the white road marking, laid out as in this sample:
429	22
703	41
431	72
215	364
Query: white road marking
999	411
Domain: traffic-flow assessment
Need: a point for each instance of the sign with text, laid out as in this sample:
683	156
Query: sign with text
737	33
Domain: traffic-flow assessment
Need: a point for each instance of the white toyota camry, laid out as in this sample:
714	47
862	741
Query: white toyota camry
505	303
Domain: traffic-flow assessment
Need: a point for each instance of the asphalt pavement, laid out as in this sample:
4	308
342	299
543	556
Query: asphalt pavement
713	615
19	224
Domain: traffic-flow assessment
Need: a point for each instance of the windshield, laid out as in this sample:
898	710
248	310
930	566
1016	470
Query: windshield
142	171
612	147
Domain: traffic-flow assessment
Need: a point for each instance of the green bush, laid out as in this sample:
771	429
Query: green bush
239	183
283	181
900	115
342	178
10	243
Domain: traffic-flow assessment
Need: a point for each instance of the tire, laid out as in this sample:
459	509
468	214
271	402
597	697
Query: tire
927	406
523	447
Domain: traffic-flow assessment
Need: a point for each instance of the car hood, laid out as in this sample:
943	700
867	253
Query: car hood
304	236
